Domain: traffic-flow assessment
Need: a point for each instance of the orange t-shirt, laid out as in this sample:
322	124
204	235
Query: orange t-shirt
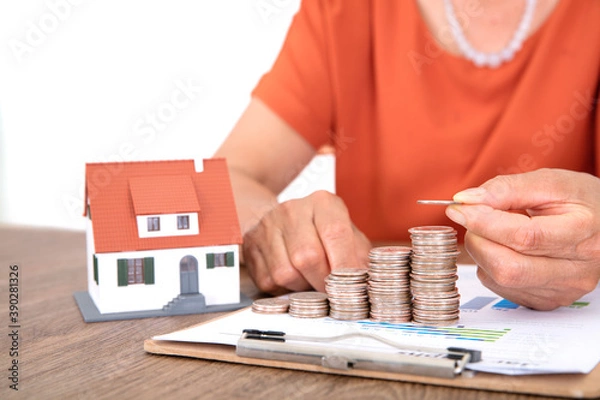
410	121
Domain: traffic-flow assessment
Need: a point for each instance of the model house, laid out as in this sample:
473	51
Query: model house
162	239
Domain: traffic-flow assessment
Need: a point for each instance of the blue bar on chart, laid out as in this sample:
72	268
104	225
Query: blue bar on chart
505	305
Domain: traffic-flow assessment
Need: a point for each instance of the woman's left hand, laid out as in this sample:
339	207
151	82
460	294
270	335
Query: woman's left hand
534	236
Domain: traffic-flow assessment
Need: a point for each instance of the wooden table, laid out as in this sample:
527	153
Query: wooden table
62	357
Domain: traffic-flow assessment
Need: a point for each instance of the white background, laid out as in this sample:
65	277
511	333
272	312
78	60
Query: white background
89	80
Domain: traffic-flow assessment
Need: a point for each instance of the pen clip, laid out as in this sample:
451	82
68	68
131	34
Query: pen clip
257	334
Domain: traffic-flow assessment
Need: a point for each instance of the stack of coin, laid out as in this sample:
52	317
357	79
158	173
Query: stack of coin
433	275
389	284
271	306
308	305
347	292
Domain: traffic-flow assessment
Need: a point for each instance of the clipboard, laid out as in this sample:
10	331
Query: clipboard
562	385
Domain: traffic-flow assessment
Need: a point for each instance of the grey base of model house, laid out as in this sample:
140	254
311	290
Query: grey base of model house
182	305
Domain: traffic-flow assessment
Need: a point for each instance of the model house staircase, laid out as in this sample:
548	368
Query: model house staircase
185	303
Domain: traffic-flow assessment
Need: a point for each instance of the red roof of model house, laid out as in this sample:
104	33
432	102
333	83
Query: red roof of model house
117	192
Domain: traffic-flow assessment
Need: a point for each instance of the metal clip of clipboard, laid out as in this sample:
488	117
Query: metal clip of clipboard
275	345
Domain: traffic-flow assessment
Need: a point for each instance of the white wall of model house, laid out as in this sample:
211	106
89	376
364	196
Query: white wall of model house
218	285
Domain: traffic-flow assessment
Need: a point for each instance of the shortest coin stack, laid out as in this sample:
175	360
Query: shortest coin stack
308	305
347	291
271	306
433	275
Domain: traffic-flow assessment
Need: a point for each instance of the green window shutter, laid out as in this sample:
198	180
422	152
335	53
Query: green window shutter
96	270
229	259
149	270
210	260
122	272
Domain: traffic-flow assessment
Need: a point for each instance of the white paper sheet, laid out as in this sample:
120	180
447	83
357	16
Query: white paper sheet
514	340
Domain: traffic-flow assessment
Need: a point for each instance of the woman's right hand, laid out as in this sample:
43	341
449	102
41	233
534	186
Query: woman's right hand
296	244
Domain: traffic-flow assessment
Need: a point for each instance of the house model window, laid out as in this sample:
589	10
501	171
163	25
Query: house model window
135	272
132	271
153	224
183	222
220	260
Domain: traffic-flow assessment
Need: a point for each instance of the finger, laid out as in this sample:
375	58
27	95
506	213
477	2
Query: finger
363	245
304	250
267	261
533	299
272	245
530	190
502	264
281	268
538	282
256	265
335	231
537	235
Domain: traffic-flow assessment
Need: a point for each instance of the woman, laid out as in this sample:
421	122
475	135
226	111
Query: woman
422	99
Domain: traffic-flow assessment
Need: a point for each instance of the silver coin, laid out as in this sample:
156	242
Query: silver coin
349	316
270	306
309	315
310	297
389	251
427	322
431	229
349	272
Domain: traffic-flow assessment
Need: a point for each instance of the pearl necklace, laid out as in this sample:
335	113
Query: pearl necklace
491	60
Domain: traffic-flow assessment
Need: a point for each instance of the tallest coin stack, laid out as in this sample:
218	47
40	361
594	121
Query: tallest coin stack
433	275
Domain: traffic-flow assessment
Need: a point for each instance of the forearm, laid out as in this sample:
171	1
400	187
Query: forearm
262	153
252	199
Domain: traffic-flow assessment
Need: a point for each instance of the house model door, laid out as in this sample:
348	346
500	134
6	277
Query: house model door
188	275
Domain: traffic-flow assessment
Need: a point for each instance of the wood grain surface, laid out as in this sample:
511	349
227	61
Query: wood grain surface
62	357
